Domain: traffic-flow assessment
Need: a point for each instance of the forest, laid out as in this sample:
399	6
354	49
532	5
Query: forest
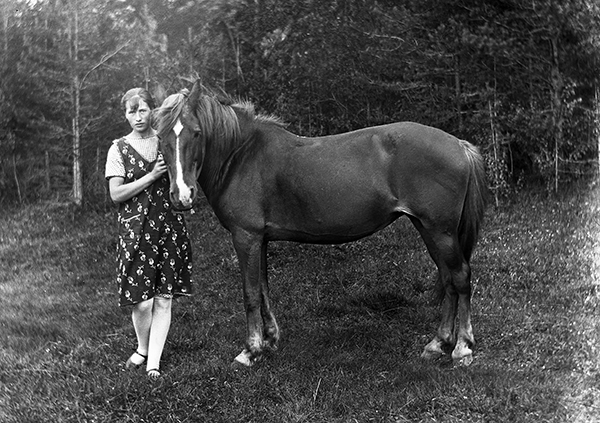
517	78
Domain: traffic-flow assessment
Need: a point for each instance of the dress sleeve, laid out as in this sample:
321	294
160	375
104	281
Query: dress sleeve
114	163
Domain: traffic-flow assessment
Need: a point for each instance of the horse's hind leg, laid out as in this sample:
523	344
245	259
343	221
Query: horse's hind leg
445	333
461	286
455	285
462	353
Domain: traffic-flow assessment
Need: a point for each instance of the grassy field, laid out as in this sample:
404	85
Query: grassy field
354	320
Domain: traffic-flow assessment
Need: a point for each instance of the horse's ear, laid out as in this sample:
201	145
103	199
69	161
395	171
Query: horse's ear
159	94
195	93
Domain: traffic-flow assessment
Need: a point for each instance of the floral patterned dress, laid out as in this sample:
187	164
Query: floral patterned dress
154	253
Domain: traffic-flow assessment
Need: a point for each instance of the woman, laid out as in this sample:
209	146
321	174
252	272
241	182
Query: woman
154	252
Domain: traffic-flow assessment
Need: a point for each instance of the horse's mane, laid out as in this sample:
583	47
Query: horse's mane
248	109
217	115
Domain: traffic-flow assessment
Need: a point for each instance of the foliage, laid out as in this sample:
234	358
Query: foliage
517	78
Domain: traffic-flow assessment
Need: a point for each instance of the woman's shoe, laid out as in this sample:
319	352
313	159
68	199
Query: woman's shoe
130	364
153	374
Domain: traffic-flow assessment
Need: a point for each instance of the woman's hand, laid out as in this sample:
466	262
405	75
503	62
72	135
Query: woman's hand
159	168
121	191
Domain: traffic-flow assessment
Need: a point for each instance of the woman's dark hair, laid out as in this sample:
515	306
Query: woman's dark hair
134	95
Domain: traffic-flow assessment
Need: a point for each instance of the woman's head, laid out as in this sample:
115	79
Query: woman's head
138	105
133	97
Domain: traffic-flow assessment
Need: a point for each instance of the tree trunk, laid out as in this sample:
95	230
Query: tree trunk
47	170
77	177
75	94
191	51
496	168
598	131
457	92
5	23
16	176
557	109
235	45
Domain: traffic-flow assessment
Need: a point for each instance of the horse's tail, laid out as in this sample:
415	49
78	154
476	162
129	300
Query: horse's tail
475	201
473	209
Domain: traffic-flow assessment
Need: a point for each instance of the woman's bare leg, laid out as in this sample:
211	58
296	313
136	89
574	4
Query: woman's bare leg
159	329
141	317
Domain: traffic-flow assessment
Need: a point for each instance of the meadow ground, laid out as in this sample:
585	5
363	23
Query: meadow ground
354	320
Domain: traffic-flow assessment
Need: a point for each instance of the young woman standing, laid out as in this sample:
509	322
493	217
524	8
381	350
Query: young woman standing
153	253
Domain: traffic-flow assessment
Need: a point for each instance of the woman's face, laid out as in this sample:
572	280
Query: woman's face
137	113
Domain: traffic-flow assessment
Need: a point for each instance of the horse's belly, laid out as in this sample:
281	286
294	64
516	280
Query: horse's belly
331	216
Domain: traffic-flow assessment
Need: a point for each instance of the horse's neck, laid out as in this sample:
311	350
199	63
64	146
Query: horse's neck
219	157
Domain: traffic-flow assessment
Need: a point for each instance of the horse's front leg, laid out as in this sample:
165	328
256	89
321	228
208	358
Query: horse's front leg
251	251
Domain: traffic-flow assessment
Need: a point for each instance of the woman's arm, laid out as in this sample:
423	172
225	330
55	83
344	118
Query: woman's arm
119	191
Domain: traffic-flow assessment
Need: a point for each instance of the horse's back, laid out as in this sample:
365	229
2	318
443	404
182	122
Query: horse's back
406	158
400	142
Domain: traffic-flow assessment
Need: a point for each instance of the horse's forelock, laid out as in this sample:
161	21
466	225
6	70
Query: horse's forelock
168	113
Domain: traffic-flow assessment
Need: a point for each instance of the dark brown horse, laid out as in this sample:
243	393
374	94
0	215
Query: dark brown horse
266	184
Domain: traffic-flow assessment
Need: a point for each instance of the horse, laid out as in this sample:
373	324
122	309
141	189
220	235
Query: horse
266	184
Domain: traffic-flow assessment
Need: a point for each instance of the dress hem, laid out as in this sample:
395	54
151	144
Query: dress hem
175	295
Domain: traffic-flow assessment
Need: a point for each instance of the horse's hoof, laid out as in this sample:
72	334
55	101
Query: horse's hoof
463	361
433	350
244	358
271	346
431	355
462	356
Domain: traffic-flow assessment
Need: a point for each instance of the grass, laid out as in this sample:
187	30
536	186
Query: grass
354	320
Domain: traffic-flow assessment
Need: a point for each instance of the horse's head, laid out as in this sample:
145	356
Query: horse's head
179	132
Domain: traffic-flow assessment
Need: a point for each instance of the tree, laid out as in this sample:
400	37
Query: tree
517	78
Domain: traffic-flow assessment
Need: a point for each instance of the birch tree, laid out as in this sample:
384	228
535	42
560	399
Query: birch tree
80	70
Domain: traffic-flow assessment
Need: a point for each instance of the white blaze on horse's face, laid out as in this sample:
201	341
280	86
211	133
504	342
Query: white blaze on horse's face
185	193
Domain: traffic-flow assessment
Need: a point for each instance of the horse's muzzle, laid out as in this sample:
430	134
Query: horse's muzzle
183	199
